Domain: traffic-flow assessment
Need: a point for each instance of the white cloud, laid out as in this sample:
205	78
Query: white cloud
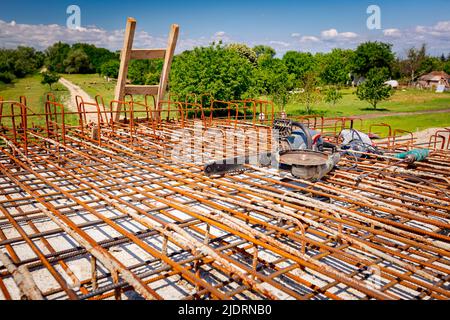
440	31
442	26
420	29
220	34
280	43
309	39
348	35
437	38
334	34
394	33
40	36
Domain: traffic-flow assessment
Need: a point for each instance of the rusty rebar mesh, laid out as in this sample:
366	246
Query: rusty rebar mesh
108	212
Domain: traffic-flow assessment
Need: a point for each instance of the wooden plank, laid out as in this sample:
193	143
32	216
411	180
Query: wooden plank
135	89
124	61
173	38
143	54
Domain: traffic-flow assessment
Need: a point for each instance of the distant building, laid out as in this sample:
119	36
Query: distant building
356	80
393	83
434	79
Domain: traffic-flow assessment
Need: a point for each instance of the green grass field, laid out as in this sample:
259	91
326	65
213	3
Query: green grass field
411	100
93	84
35	92
404	101
410	123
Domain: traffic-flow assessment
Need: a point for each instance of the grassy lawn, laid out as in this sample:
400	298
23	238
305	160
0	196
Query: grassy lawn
411	100
93	84
412	123
35	92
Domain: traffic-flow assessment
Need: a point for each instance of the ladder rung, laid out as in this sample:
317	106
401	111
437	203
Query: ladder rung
144	54
135	89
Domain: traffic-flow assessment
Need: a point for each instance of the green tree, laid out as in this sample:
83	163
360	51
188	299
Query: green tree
50	78
137	70
371	55
7	77
299	63
272	79
97	56
309	95
26	61
214	69
55	56
80	58
7	61
18	63
110	69
447	67
431	64
413	62
145	71
262	50
336	67
153	76
77	61
245	52
333	95
374	90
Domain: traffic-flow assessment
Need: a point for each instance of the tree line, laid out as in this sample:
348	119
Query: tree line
231	72
58	58
236	71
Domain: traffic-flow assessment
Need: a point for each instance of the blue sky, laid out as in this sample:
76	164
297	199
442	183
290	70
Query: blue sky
285	24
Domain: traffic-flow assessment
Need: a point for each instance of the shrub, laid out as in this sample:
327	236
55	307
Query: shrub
374	89
7	77
50	78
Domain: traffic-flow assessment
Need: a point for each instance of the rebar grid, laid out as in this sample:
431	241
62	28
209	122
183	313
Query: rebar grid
106	212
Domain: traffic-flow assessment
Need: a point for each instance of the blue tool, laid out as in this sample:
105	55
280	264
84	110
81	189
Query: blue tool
409	157
414	155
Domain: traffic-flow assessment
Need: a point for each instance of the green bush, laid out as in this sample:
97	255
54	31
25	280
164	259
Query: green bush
19	63
110	69
333	95
7	77
50	78
216	69
374	89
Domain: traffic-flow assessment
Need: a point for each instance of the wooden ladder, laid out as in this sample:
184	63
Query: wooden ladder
128	53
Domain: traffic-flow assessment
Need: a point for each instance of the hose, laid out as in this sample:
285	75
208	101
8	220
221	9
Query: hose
309	141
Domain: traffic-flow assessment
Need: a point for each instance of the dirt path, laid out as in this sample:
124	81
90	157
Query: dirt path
77	91
393	114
